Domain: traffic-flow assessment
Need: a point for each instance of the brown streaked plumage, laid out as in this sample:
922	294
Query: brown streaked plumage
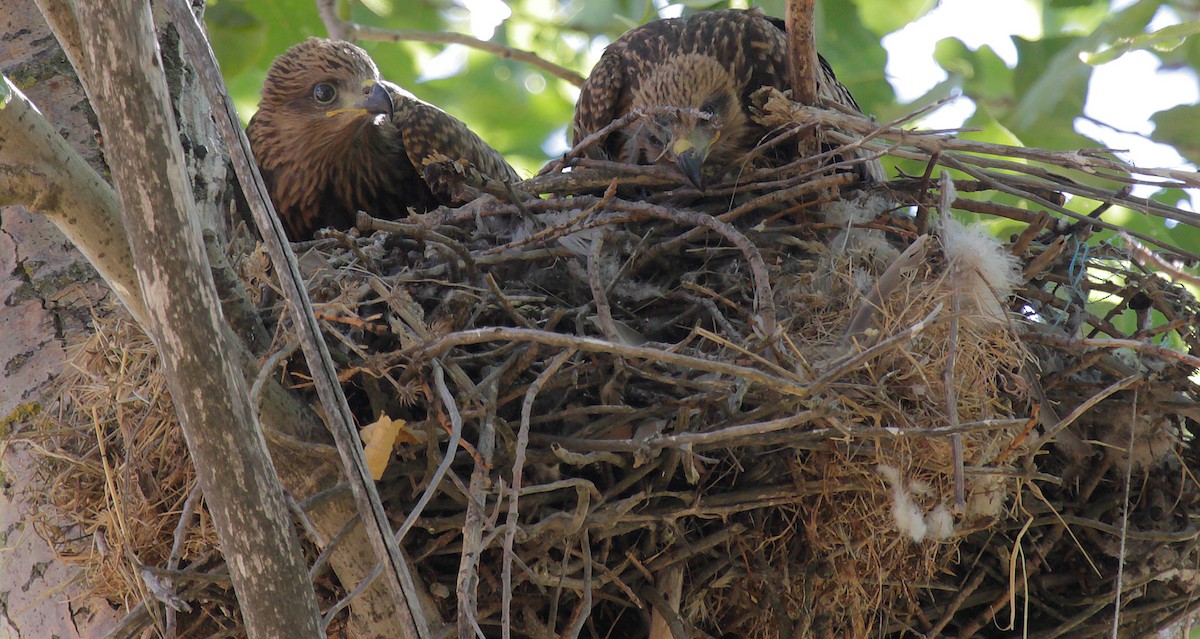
707	64
332	138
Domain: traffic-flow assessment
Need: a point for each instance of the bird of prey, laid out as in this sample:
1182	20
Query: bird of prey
332	138
693	77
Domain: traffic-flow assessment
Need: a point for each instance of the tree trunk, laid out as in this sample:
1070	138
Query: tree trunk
46	289
129	91
49	293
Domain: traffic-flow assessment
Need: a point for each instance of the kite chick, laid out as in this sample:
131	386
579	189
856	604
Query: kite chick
332	138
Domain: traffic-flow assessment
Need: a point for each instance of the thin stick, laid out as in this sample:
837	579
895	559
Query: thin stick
363	32
1133	415
181	529
456	425
950	378
592	345
599	296
467	583
512	521
1146	257
337	28
585	604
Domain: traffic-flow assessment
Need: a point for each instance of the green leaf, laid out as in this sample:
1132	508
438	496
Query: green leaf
983	75
1164	40
855	53
1180	127
885	16
1051	80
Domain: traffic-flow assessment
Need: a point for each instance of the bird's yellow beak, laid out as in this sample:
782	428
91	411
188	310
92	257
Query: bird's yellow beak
690	153
376	100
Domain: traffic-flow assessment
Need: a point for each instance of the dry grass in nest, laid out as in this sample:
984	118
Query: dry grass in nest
712	425
114	464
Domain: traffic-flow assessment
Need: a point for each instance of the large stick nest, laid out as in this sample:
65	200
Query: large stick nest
736	412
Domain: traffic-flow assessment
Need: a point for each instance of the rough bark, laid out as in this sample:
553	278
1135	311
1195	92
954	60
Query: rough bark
802	51
397	575
802	62
129	92
46	288
42	263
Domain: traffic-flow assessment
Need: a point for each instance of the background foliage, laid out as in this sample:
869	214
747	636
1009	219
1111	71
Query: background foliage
523	111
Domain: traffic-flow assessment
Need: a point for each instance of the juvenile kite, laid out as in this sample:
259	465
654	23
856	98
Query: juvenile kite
332	138
708	63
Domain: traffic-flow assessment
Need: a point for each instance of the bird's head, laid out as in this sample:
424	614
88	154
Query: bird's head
320	93
708	126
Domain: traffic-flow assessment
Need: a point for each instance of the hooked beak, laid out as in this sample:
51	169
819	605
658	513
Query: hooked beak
690	160
376	100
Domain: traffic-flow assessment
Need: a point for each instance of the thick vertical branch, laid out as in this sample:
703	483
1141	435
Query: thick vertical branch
397	574
802	51
129	93
802	65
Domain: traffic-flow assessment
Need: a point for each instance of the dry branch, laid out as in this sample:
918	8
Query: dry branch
341	423
129	93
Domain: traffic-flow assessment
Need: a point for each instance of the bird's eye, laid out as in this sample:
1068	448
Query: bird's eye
716	105
324	93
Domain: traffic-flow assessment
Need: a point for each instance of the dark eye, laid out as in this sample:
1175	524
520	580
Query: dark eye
324	93
716	105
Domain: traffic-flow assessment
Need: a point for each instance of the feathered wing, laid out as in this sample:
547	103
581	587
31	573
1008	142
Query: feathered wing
604	98
427	131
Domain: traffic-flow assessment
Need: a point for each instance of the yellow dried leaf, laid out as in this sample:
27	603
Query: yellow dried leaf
378	440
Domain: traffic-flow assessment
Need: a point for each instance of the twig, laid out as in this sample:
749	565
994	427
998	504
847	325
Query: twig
322	560
512	521
950	374
580	148
1079	410
181	528
268	368
665	621
1146	257
802	66
956	604
1161	352
1125	505
802	51
585	602
456	425
734	435
599	295
764	302
467	583
357	31
592	345
338	29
